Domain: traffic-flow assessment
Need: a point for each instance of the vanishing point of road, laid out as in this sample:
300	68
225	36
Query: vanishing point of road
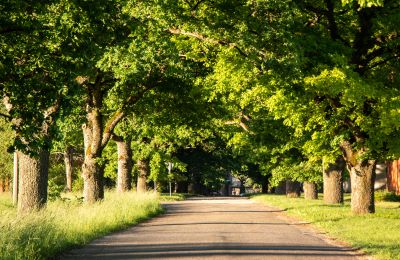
215	228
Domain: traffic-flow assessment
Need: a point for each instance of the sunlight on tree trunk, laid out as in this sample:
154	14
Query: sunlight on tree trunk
333	182
68	162
362	187
143	168
33	177
124	176
310	190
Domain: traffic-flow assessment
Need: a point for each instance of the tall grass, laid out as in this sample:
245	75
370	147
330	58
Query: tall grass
376	234
63	225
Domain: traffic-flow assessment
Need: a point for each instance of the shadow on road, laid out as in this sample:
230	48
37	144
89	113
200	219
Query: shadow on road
150	251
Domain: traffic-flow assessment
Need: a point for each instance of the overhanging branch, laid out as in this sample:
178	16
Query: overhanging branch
121	113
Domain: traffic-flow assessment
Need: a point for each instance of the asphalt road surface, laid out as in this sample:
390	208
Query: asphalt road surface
215	228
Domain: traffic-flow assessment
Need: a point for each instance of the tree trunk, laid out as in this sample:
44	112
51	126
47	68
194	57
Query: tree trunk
2	185
93	168
196	185
15	179
5	184
32	181
310	190
281	188
93	187
264	184
362	187
292	189
68	162
143	167
242	187
362	175
333	182
124	181
8	184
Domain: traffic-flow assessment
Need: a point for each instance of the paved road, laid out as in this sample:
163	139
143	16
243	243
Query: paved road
214	228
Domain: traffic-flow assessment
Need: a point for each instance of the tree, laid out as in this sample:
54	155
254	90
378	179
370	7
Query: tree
122	54
327	80
68	139
350	87
6	159
35	78
333	181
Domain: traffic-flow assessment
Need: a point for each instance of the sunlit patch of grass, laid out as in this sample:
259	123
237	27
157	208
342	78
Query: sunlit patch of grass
5	201
65	224
377	234
173	197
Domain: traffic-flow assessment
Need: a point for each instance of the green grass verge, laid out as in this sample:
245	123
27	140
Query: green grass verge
376	234
173	197
66	224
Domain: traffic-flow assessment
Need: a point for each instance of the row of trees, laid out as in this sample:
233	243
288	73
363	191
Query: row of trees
287	86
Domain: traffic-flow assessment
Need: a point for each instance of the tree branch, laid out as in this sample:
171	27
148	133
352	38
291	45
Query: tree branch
363	40
376	64
120	114
110	126
332	25
348	154
117	138
241	122
197	4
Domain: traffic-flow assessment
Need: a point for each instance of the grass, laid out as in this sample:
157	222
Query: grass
173	197
376	234
66	224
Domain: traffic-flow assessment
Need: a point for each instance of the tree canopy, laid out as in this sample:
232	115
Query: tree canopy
252	88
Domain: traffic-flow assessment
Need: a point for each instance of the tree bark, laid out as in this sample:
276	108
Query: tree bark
292	189
362	187
264	184
33	179
281	188
93	187
124	178
32	171
97	133
143	167
93	168
310	190
333	182
2	185
7	183
242	187
15	179
362	175
68	162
